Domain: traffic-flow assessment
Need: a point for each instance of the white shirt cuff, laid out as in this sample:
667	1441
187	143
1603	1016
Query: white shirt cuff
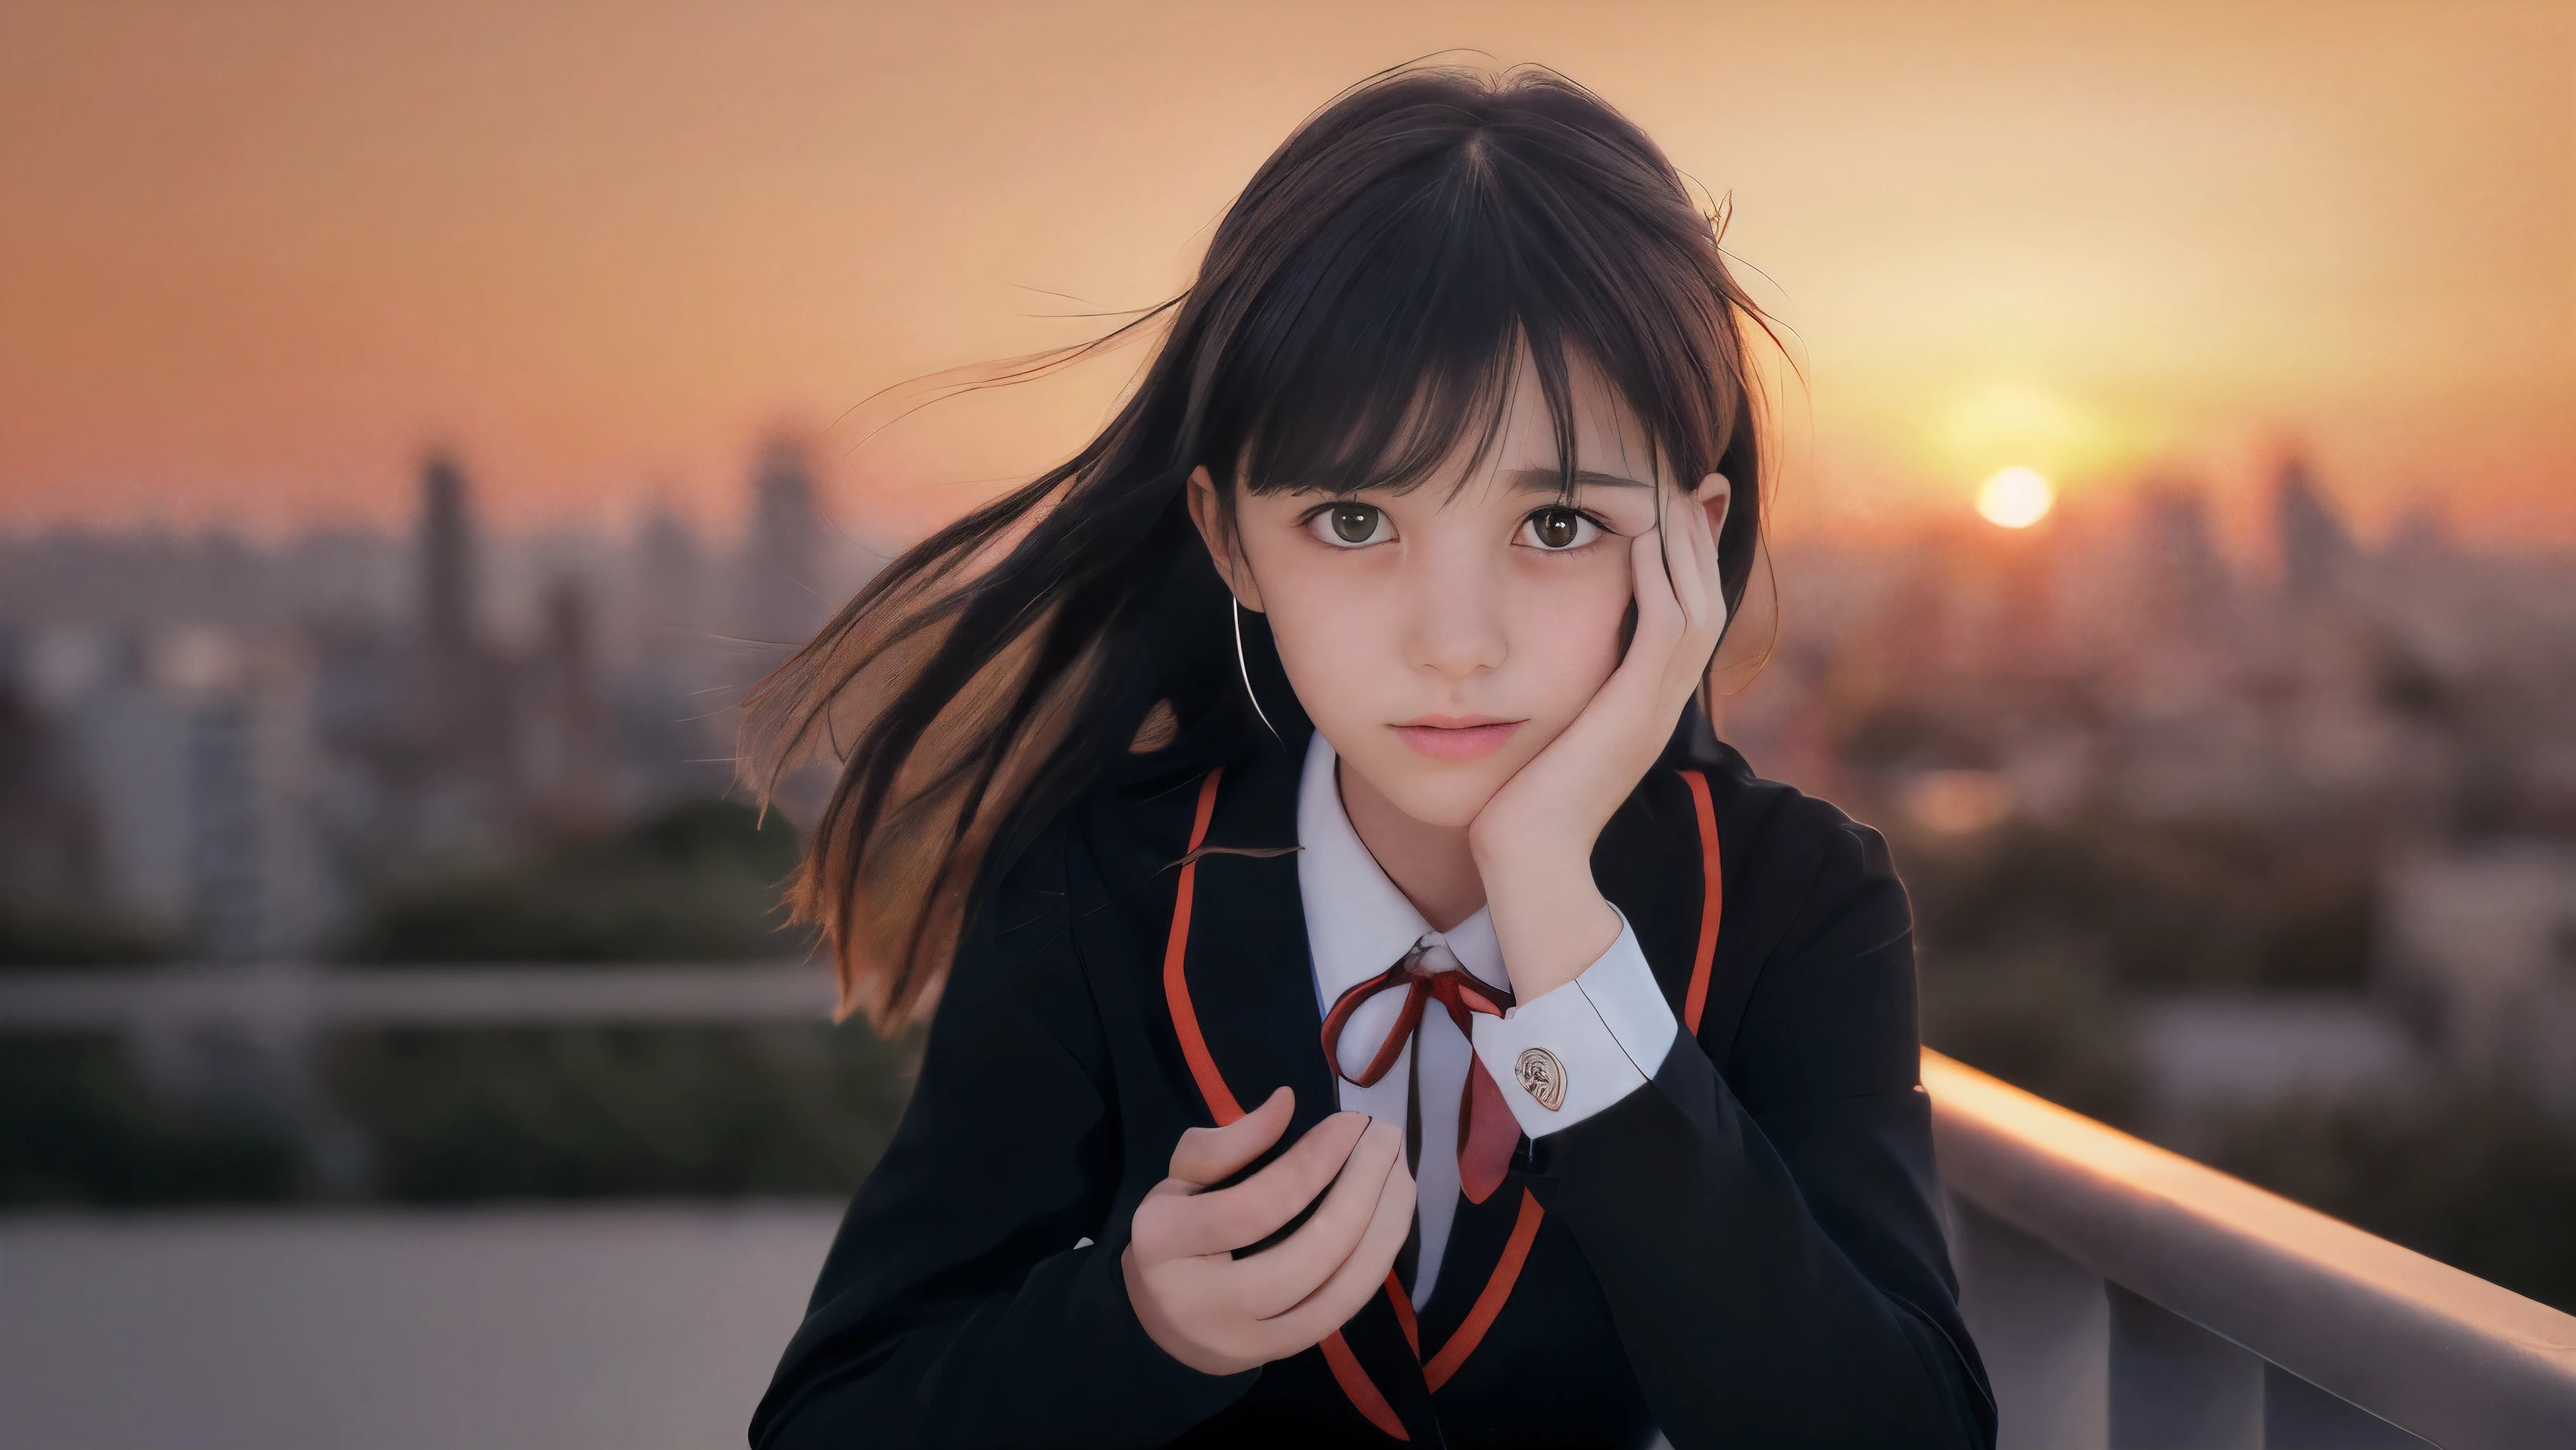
1569	1053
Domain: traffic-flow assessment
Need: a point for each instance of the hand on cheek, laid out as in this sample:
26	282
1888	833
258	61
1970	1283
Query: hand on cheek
1533	840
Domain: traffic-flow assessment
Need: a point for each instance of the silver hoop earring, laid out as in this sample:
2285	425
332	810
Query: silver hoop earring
1245	665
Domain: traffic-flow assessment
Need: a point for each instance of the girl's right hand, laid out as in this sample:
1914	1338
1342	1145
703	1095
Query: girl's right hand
1219	1314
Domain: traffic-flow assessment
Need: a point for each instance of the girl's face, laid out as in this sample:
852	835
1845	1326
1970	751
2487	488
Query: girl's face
1442	636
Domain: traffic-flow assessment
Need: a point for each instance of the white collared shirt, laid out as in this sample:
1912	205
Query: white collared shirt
1606	1031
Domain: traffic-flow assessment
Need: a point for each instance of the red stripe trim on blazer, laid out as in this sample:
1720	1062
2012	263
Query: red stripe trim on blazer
1712	900
1176	982
1404	1313
1507	1270
1347	1370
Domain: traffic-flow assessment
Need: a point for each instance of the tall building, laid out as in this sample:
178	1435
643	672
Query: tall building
199	762
459	724
2183	583
2485	936
670	720
671	571
782	602
48	830
2316	548
568	757
448	566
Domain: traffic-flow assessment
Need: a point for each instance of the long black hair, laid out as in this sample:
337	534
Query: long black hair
1359	318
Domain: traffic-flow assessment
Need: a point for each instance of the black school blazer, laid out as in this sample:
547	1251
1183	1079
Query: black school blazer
1746	1252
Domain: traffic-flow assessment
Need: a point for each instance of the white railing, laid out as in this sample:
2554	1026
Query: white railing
2129	1298
289	996
2123	1297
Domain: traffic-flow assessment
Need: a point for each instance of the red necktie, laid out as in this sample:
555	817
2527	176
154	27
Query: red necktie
1487	1132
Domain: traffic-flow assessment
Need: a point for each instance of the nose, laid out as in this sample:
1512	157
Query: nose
1454	627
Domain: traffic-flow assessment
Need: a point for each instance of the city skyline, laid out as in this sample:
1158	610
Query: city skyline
260	261
425	427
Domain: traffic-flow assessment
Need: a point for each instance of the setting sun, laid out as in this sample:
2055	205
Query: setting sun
2015	498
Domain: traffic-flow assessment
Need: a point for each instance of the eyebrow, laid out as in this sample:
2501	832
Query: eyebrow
1548	480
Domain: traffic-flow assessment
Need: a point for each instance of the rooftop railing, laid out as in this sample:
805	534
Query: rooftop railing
291	997
2128	1298
2123	1297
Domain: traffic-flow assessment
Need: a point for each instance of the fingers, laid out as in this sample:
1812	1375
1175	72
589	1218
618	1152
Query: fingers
1692	569
1229	1218
1273	1282
1339	1297
1678	591
1718	494
1193	1302
1659	611
1702	598
1212	1155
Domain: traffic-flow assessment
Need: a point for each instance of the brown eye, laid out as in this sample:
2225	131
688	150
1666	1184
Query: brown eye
1561	528
1354	523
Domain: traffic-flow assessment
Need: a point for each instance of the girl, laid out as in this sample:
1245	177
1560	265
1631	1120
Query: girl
1371	1004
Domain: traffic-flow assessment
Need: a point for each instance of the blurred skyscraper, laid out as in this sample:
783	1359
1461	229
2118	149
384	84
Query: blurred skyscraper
455	779
568	756
197	755
448	571
2317	551
2185	584
670	569
782	599
232	746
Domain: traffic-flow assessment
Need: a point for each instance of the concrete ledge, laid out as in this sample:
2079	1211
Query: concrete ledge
2444	1354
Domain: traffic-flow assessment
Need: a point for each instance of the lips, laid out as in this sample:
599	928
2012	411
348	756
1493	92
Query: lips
1444	737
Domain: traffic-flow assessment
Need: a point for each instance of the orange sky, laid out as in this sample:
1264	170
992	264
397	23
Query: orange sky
252	256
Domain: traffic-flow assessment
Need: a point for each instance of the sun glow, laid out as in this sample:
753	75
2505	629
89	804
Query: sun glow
2015	498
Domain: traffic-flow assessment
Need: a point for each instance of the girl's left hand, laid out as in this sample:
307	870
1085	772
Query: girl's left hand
1533	841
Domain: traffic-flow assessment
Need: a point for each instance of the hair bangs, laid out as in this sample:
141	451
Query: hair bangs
1386	347
1382	351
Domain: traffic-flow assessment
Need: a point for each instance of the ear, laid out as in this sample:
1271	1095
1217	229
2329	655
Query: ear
1716	495
1221	547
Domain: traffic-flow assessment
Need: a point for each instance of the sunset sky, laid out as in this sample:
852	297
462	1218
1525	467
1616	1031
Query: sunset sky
253	258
